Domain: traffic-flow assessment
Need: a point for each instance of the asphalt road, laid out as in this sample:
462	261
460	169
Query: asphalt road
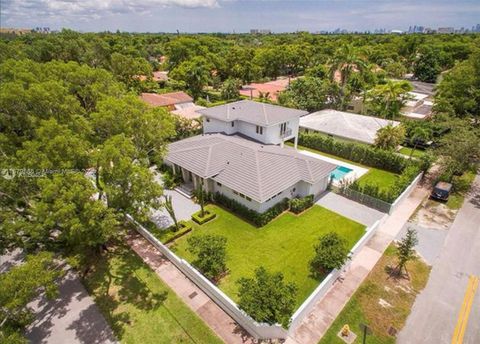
449	304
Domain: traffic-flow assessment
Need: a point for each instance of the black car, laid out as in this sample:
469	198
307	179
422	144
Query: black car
441	191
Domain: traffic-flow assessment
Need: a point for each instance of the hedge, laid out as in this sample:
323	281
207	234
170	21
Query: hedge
208	215
258	219
297	205
168	235
403	181
356	152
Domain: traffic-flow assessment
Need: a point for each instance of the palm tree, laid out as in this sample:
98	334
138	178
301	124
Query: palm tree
389	137
171	211
345	61
391	97
264	97
419	134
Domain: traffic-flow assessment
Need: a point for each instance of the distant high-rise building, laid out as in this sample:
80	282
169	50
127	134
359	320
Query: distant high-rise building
446	30
260	31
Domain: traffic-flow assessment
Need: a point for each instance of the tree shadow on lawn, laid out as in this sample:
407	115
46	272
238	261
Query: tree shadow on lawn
115	283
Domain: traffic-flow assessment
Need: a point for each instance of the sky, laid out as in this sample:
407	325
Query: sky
237	15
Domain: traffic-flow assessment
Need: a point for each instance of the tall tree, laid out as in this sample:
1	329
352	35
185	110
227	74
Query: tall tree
196	73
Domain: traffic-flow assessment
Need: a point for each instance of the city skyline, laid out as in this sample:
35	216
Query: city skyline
239	15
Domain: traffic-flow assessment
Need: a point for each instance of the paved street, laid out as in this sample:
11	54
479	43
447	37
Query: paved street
73	317
443	304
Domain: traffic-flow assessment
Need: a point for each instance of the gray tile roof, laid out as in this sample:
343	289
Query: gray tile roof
252	112
255	170
345	124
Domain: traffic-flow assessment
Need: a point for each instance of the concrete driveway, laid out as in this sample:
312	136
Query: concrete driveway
441	307
183	206
350	209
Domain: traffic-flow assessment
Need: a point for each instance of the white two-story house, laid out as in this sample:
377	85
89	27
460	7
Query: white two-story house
265	123
241	156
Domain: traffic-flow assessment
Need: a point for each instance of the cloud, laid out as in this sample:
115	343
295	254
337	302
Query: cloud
91	9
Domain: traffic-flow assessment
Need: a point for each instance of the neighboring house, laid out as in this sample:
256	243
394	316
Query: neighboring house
344	125
265	123
253	174
179	103
273	88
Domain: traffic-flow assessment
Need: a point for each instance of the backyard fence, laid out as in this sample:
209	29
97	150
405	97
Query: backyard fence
257	330
375	203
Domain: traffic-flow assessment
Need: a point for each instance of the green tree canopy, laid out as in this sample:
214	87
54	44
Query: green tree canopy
266	297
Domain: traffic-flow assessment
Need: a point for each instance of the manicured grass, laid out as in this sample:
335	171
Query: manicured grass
455	200
384	179
285	244
364	305
417	153
139	307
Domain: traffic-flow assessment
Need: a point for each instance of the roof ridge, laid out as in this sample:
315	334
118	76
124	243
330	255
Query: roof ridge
265	113
209	158
259	175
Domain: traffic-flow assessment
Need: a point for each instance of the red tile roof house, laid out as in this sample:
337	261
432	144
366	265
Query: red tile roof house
179	103
272	87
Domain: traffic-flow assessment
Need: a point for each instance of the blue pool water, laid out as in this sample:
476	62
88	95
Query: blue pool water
340	172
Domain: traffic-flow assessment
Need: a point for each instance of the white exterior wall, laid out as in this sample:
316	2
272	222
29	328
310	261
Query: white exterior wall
271	134
319	187
217	126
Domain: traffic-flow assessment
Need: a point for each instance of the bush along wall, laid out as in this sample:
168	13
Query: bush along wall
362	154
258	219
297	205
403	181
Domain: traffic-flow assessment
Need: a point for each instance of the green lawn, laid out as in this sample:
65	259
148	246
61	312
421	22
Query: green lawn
417	153
364	308
139	307
384	179
285	244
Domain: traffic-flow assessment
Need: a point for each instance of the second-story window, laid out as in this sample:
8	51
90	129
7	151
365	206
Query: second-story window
259	130
233	124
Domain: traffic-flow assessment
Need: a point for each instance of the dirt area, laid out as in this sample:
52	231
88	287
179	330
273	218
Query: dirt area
435	215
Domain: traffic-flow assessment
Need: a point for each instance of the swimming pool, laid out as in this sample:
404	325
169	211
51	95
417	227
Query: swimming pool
340	172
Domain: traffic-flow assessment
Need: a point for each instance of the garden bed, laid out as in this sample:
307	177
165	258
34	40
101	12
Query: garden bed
168	235
285	244
207	216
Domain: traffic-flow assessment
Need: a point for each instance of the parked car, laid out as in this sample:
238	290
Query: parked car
441	191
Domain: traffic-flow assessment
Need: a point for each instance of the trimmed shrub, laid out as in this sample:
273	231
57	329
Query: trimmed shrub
297	205
208	215
258	219
360	153
168	235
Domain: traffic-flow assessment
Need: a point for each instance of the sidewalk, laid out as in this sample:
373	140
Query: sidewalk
219	321
314	326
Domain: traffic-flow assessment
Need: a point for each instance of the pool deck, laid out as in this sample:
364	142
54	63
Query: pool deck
356	172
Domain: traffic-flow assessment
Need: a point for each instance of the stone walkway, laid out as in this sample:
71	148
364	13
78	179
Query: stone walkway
314	326
219	321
